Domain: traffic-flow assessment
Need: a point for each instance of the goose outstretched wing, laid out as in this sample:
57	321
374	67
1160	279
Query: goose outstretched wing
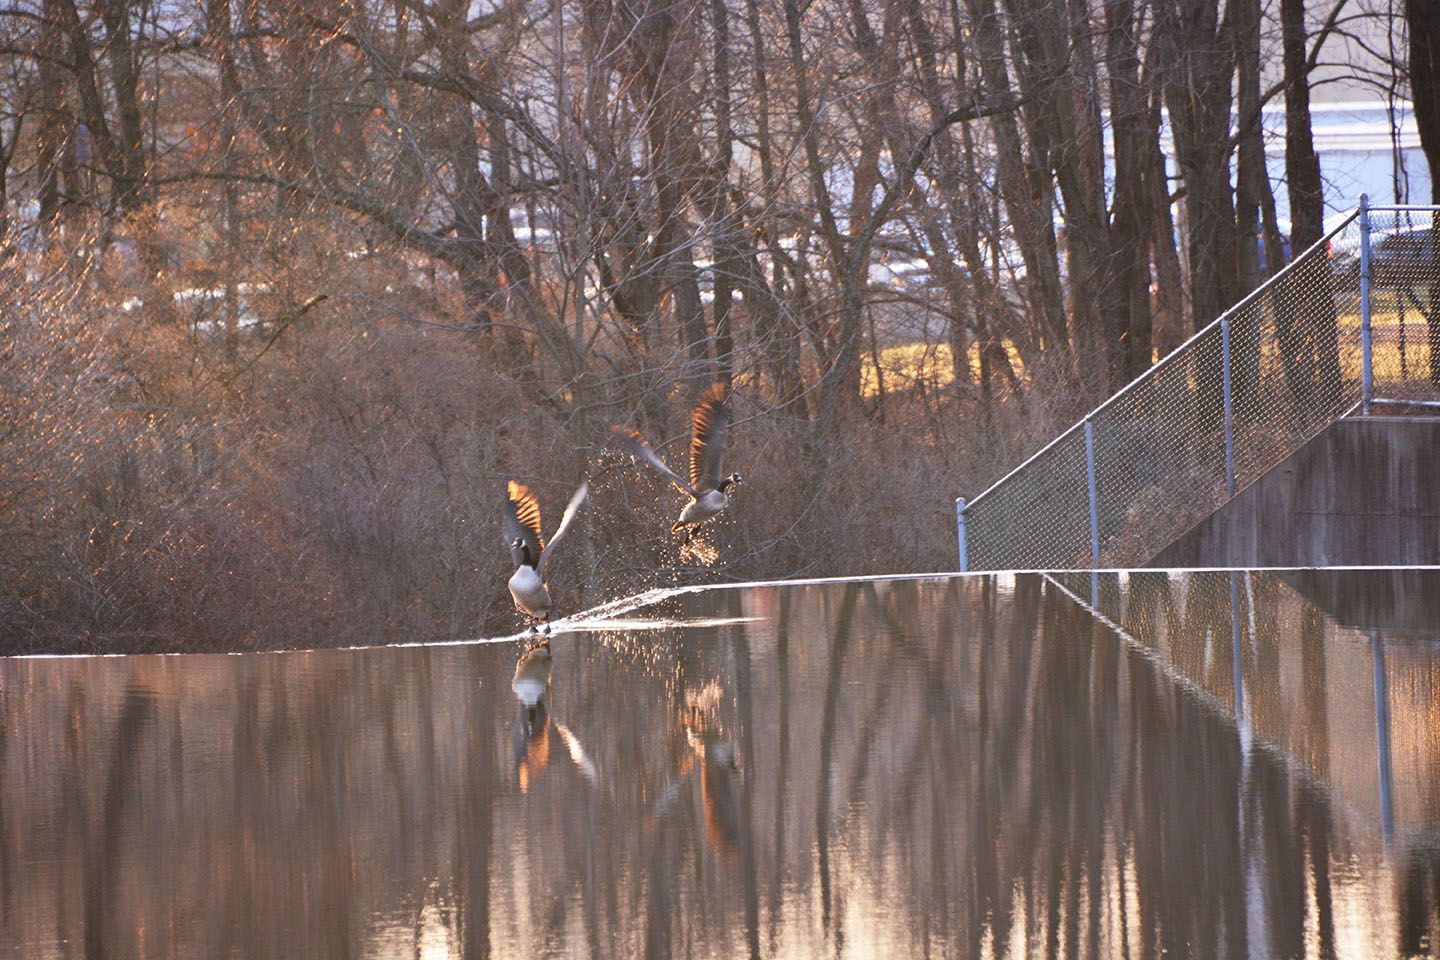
522	520
571	509
636	444
707	439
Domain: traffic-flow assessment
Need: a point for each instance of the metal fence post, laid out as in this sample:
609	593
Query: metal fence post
1237	650
1090	474
1367	385
1229	411
960	529
1382	731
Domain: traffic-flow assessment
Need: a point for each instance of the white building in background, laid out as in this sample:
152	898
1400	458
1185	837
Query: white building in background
1365	146
1361	119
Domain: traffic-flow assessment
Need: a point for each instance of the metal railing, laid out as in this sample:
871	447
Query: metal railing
1334	331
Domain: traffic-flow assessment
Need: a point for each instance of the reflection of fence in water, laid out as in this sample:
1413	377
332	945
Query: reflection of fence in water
1309	685
924	764
1305	348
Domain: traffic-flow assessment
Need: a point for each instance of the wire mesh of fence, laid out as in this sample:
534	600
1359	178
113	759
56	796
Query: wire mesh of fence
1404	304
1333	331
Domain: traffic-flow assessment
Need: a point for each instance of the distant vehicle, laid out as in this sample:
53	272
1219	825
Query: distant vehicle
1403	257
1398	258
903	274
201	307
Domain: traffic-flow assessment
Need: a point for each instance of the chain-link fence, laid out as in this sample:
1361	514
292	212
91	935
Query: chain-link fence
1352	323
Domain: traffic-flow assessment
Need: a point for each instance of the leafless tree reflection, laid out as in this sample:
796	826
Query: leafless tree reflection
965	767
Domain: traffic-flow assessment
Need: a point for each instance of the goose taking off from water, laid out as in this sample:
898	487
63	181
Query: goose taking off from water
530	551
707	486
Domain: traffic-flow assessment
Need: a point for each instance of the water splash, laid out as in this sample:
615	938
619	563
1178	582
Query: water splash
700	552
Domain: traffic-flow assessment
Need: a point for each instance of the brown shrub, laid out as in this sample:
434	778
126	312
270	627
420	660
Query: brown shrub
334	476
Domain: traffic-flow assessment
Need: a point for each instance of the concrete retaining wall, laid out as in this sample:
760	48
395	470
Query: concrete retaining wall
1363	492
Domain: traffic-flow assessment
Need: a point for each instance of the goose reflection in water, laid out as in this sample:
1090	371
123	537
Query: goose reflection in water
710	752
532	729
535	723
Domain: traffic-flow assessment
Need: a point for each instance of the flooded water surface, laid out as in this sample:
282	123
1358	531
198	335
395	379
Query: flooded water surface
1144	765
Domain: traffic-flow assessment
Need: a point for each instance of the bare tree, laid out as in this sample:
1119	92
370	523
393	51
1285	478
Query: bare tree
1196	67
1312	356
1130	327
462	242
1422	19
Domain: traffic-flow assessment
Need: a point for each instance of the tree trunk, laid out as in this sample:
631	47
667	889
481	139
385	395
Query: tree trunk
1319	347
54	124
1170	305
1026	188
1099	307
834	399
119	149
221	39
1422	18
1251	183
7	151
1059	72
125	83
1197	91
726	262
776	334
1130	260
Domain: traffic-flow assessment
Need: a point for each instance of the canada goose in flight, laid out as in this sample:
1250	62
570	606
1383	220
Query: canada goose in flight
706	488
529	550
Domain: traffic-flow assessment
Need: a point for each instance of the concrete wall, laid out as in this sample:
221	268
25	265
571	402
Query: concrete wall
1363	492
1397	602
